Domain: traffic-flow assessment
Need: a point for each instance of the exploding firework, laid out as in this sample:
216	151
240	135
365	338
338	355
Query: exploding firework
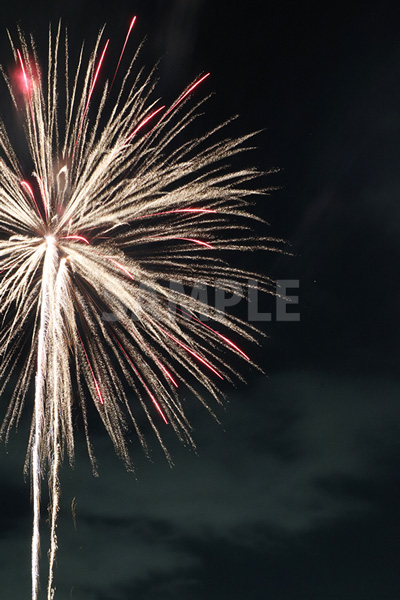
113	207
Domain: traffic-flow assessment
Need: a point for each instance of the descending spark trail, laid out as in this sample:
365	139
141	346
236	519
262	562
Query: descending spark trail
46	301
91	93
101	225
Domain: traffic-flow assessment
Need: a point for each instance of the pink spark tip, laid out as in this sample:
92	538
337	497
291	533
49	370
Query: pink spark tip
28	188
187	93
193	240
26	81
143	123
222	337
143	383
124	269
79	238
198	242
123	50
189	350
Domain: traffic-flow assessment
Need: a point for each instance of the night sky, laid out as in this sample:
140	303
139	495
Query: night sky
296	493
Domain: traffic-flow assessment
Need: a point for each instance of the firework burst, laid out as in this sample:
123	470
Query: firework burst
113	208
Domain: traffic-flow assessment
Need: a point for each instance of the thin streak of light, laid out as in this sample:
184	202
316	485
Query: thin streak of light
143	123
91	93
96	383
144	384
26	185
192	352
123	50
227	340
76	237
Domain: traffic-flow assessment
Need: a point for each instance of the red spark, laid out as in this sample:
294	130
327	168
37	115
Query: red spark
192	352
143	123
27	187
192	210
144	384
162	367
193	240
198	242
26	82
172	107
124	269
123	50
186	94
76	237
227	340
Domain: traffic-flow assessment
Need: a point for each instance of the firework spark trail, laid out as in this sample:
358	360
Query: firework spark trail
54	438
46	301
123	50
101	225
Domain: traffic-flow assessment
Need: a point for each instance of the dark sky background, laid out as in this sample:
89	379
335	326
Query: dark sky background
296	494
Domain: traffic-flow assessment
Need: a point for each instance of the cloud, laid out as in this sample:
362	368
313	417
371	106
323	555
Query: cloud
278	469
